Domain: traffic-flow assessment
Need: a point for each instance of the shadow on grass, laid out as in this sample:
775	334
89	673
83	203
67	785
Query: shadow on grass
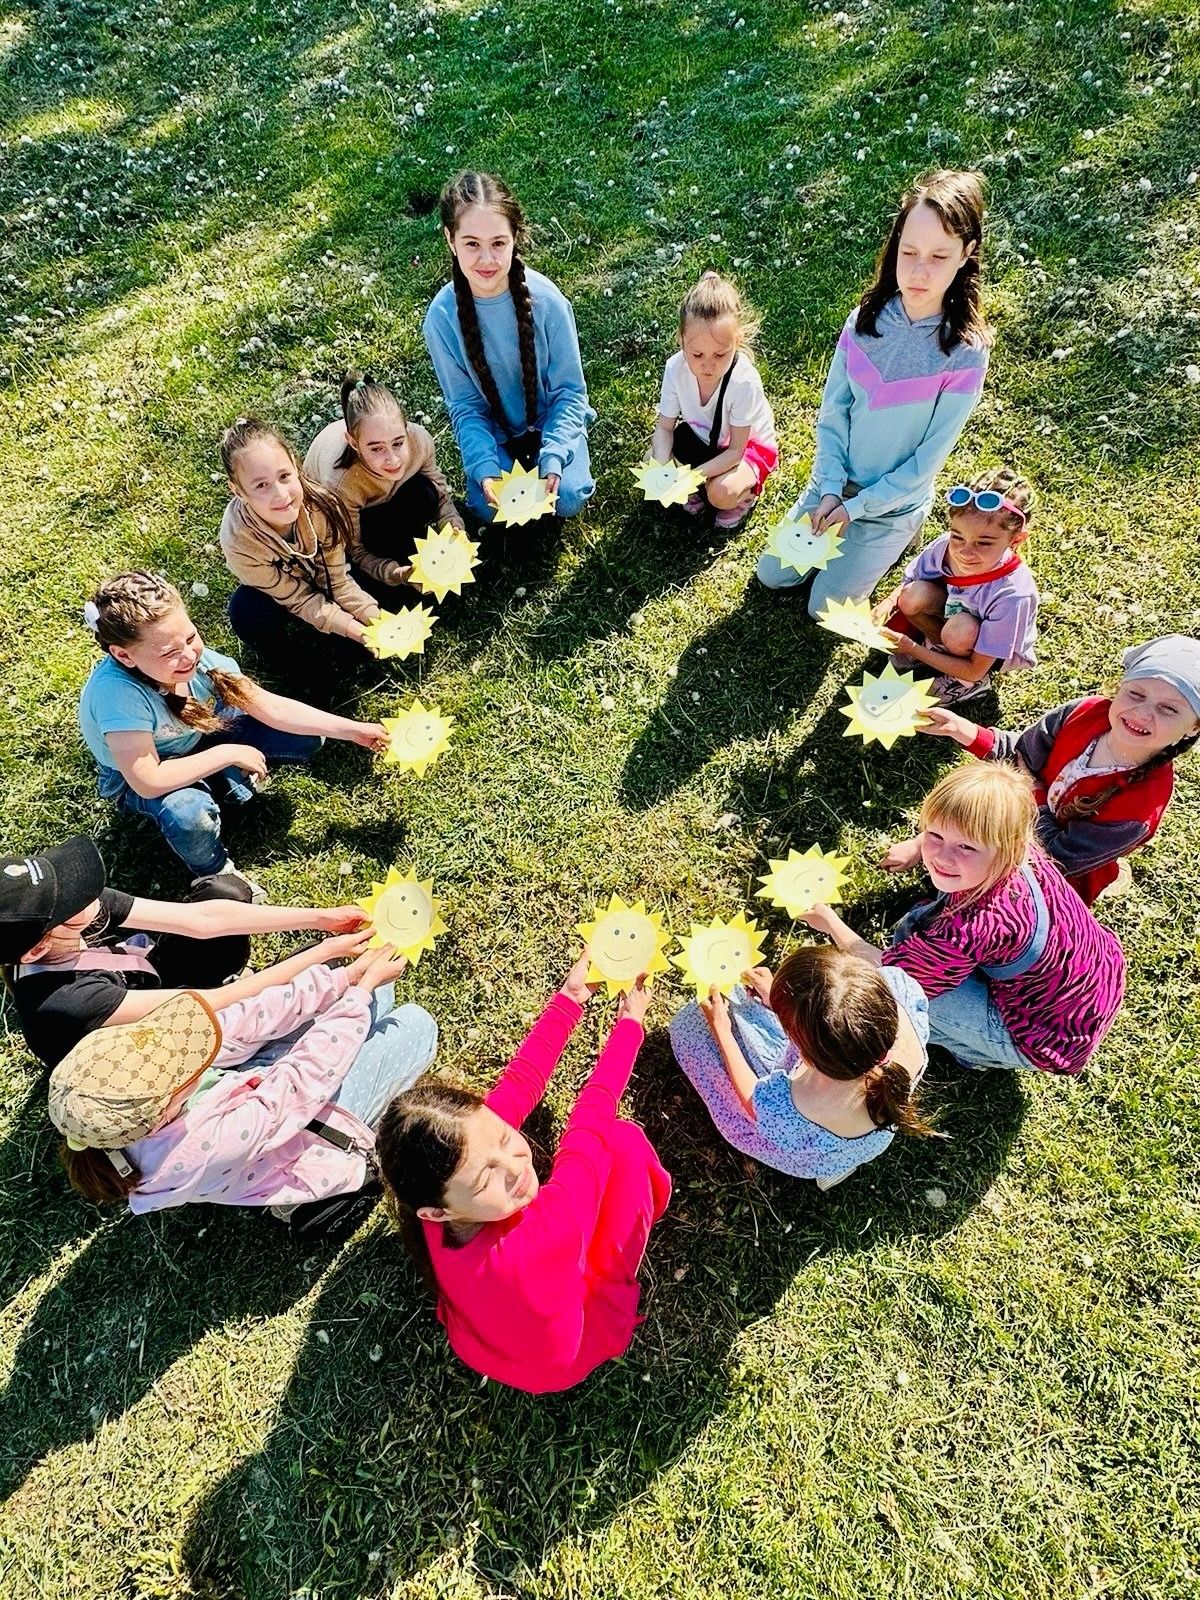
388	1455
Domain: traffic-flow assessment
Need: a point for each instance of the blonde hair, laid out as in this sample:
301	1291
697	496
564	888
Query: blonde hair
713	298
991	803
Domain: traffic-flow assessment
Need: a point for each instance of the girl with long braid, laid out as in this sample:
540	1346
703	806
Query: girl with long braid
503	344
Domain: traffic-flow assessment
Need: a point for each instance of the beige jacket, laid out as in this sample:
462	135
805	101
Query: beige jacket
355	487
306	573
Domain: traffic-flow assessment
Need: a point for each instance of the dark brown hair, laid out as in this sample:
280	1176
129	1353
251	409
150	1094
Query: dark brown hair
91	1174
123	607
957	197
840	1014
482	189
252	430
364	396
418	1146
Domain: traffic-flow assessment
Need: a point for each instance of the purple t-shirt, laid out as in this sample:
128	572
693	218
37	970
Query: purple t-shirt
1058	1011
1006	607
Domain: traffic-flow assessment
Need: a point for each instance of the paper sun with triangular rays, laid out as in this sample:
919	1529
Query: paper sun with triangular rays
887	707
403	913
417	736
624	941
521	496
807	878
443	561
400	633
669	482
852	619
795	545
716	956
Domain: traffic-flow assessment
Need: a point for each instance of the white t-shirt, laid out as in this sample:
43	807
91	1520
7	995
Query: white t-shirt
745	402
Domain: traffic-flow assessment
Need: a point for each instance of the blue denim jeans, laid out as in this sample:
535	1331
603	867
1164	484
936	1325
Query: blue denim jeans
575	488
190	818
869	547
966	1021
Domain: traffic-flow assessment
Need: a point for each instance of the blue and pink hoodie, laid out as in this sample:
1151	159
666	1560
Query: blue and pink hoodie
893	408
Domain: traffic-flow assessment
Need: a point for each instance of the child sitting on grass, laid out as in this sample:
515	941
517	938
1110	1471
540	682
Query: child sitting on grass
811	1072
968	602
713	413
1018	971
165	717
1102	769
536	1283
383	469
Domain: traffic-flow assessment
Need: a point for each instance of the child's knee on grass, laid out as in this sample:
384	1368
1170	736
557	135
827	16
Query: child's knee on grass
920	598
729	489
959	633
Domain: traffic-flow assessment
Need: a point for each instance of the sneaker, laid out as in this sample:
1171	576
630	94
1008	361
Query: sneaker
695	503
1122	884
258	895
736	515
953	691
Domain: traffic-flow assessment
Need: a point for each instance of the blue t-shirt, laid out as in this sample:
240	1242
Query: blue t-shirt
115	701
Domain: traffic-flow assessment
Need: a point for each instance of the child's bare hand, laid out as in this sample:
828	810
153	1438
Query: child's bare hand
828	514
575	985
716	1012
344	946
903	855
382	965
945	724
759	980
488	485
899	641
819	918
636	1002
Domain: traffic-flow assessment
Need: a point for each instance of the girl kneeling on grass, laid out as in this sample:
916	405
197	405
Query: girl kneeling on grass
285	540
503	344
536	1283
713	413
1103	770
152	1113
163	715
1018	971
907	373
384	471
811	1072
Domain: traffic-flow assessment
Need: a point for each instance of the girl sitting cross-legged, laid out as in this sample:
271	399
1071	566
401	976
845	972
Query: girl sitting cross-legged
536	1282
812	1071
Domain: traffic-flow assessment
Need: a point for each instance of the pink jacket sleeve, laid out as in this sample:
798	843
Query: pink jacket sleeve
249	1024
524	1080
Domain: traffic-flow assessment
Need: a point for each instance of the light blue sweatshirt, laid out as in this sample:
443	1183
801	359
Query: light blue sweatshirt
893	408
563	412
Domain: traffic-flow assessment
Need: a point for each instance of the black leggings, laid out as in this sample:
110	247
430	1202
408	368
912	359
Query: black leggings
392	527
184	962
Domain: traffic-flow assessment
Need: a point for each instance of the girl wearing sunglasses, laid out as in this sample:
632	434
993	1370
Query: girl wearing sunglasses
968	602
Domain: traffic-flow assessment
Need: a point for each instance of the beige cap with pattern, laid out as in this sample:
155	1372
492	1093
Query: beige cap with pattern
114	1086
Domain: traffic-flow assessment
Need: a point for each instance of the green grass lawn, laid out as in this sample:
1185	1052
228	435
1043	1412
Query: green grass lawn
972	1369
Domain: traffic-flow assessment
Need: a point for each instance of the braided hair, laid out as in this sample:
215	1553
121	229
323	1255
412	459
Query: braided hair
483	189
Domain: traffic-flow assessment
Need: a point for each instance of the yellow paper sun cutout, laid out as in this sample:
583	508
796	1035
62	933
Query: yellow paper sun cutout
444	561
418	736
718	955
888	707
403	913
807	878
852	620
521	496
795	545
625	941
400	633
668	482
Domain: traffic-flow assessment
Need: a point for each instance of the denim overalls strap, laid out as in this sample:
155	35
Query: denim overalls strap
914	920
1034	950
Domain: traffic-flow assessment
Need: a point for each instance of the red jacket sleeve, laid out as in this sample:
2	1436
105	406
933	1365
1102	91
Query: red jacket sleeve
524	1080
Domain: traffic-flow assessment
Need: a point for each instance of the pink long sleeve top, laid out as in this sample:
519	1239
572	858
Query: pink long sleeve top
244	1140
522	1301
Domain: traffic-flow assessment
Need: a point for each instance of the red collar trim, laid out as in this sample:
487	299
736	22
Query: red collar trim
1010	564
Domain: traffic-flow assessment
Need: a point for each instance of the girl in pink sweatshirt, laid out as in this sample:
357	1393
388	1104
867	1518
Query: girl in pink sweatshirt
537	1283
156	1112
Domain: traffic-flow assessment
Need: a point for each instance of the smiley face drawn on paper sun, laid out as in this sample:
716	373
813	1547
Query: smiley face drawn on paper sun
417	737
886	708
399	633
795	545
805	879
624	941
404	913
717	956
521	496
444	561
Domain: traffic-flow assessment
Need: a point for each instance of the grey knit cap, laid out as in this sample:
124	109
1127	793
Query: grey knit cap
1175	659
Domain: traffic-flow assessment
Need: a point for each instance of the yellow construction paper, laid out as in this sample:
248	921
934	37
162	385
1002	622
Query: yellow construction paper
795	545
444	561
400	633
403	913
521	496
852	620
807	878
417	737
624	941
716	956
888	707
668	482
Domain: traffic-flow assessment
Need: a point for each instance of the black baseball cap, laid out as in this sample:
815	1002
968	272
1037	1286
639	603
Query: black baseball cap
39	892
